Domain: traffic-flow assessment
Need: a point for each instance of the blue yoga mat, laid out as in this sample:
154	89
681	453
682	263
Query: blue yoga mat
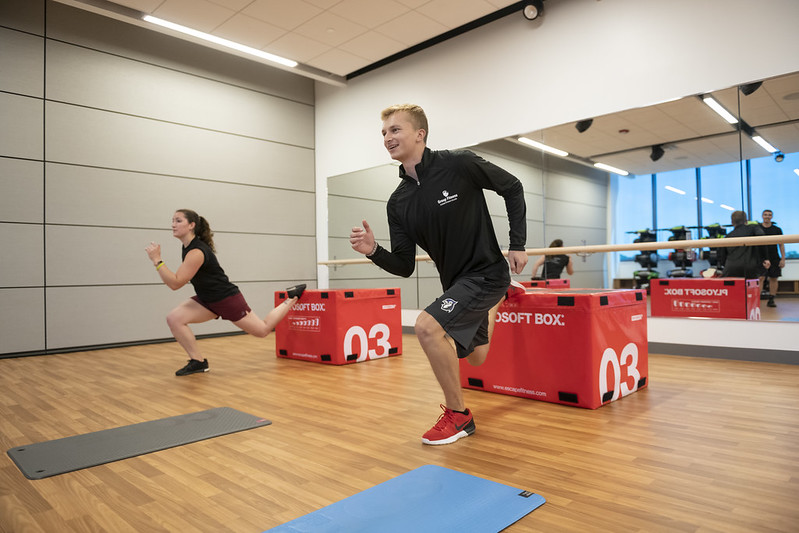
429	498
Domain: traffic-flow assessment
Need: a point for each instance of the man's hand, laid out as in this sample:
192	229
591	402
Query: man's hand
517	261
362	239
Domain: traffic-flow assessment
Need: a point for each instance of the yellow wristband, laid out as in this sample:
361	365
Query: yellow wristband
159	265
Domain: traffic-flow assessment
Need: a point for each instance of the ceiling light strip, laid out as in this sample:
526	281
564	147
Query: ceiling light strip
218	40
764	143
718	108
609	168
541	146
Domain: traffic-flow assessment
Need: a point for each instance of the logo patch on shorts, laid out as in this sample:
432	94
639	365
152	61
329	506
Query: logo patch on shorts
448	305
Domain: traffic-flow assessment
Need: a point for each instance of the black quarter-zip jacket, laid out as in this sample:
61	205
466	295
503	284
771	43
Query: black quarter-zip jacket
445	213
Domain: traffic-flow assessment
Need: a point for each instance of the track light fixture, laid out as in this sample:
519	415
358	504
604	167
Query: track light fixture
779	157
584	125
749	88
533	10
657	152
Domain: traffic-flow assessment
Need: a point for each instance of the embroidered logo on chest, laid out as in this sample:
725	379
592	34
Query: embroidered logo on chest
448	198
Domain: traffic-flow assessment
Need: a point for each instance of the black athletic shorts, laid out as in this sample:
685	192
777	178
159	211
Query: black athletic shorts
463	310
774	271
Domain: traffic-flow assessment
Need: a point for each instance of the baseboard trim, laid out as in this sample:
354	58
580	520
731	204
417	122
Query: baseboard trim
725	352
73	349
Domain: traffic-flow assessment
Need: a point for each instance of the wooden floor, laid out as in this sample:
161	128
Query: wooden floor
710	446
787	309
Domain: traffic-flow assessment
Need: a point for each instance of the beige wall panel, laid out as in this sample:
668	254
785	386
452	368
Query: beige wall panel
530	176
21	262
80	255
426	269
339	248
85	316
535	235
135	313
345	213
562	213
83	255
87	77
21	131
65	23
24	15
97	138
21	187
266	257
21	63
429	290
534	203
146	200
575	235
21	320
373	183
578	189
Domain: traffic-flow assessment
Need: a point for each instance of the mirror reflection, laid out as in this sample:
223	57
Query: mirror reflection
670	171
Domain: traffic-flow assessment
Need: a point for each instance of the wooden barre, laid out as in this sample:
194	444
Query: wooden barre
637	246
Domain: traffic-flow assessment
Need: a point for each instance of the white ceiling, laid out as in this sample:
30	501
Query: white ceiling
335	36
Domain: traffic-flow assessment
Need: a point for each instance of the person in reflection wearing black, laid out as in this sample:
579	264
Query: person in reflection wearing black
743	261
553	265
776	256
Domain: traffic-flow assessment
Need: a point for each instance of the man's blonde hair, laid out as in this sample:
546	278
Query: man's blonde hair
416	113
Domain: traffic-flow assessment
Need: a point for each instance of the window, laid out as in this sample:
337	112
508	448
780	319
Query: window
721	194
676	201
775	186
633	210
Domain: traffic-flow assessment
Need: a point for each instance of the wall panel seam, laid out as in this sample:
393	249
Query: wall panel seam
23	95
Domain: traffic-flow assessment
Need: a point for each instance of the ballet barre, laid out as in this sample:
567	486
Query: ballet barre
635	246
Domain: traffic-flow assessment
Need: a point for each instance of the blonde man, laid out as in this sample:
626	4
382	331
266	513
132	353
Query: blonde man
439	206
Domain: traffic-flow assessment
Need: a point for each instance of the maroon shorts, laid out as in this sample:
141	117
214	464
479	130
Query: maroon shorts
232	308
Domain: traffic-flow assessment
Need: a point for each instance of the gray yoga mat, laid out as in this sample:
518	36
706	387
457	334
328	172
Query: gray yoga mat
53	457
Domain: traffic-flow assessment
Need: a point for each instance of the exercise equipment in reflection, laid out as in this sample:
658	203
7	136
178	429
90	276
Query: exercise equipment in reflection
711	255
681	257
647	259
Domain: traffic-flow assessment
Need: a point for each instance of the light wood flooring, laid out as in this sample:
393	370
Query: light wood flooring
710	446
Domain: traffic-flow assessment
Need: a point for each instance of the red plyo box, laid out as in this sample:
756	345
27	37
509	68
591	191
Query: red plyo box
706	297
341	326
579	347
559	283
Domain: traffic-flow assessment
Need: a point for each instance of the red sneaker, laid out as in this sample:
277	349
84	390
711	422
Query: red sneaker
450	427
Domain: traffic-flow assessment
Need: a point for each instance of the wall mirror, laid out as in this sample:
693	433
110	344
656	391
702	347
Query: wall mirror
686	166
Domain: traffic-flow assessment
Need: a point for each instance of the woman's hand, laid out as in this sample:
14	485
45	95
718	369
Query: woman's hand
153	252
